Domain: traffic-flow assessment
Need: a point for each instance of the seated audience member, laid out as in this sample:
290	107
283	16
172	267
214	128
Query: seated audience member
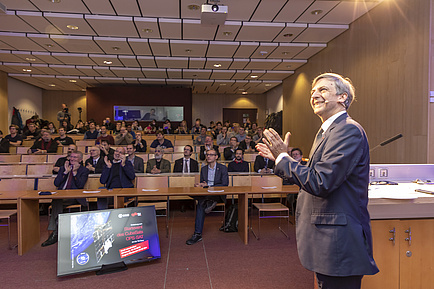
118	128
238	164
14	138
44	145
95	163
162	142
123	137
229	152
248	145
223	137
109	125
196	129
253	129
167	127
106	150
158	165
117	173
235	130
72	175
51	128
4	144
61	161
66	125
32	132
200	140
151	128
139	143
186	164
213	174
241	135
130	131
136	126
182	128
137	162
105	136
92	133
79	128
63	139
150	115
257	138
297	155
263	165
207	146
217	129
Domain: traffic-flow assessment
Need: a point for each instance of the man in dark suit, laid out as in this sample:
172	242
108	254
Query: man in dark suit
207	146
297	155
213	174
334	237
95	163
238	164
117	173
71	176
263	165
137	162
229	152
192	166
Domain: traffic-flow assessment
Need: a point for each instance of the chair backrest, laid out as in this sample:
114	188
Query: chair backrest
183	136
92	183
178	149
144	156
53	158
86	142
152	182
183	142
266	181
241	180
250	157
46	184
10	170
10	158
39	169
16	184
183	181
22	150
34	158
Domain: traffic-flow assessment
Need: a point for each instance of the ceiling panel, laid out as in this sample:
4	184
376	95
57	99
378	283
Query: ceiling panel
292	10
104	71
38	22
241	74
163	8
146	61
276	75
222	74
147	27
311	50
174	73
197	73
287	50
110	80
7	56
316	11
222	48
192	29
104	60
99	7
80	44
196	62
246	49
126	7
19	5
10	21
46	57
267	10
264	50
112	45
152	81
62	21
19	41
172	62
132	80
320	33
188	48
160	47
239	63
218	63
27	56
127	71
346	12
242	10
70	6
74	58
46	42
291	64
291	31
260	31
129	60
120	26
87	70
154	72
229	31
140	46
66	69
170	28
263	64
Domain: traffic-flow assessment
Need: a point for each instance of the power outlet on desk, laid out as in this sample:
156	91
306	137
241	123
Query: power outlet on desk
384	173
371	173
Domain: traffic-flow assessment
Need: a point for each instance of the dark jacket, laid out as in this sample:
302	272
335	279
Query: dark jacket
202	152
126	174
179	166
78	181
100	164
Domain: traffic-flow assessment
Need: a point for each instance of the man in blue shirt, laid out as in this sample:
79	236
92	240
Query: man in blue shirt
162	142
213	174
92	133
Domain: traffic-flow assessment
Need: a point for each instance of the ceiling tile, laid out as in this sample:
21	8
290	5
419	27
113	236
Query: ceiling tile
131	80
196	62
222	48
321	7
292	10
222	74
66	69
239	63
70	6
228	31
246	49
346	12
113	45
188	48
241	10
197	73
100	59
110	80
27	56
147	27
291	31
291	64
259	31
120	26
263	64
193	29
99	7
46	57
11	22
170	28
74	58
19	5
264	49
19	41
218	63
241	74
87	70
152	81
160	47
276	75
140	46
172	62
162	8
104	71
320	33
46	42
61	21
183	82
127	71
126	7
311	50
154	72
287	50
129	60
7	56
146	61
174	73
267	10
80	44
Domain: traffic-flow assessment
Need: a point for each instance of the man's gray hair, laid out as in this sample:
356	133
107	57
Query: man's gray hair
343	85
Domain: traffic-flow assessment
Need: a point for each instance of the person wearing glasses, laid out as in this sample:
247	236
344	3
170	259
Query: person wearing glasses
158	164
186	164
213	174
334	237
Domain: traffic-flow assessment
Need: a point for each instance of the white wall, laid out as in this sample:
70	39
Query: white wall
25	97
275	99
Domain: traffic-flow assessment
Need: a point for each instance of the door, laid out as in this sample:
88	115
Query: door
240	115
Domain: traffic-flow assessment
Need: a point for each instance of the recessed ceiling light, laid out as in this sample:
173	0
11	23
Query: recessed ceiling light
288	35
217	65
263	52
244	92
222	84
193	7
49	45
147	30
241	89
227	33
188	50
72	80
30	59
253	76
288	66
267	84
194	75
115	48
316	12
54	1
27	70
285	52
107	62
52	85
72	27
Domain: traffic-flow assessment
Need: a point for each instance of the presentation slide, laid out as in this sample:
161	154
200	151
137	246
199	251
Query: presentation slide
88	240
148	113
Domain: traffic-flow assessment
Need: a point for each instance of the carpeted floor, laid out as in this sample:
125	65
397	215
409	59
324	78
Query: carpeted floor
221	260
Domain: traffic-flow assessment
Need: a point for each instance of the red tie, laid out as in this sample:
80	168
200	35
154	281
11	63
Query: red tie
69	181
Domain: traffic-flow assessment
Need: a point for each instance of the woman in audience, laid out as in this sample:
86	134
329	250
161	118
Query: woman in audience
136	126
182	128
66	125
139	143
52	128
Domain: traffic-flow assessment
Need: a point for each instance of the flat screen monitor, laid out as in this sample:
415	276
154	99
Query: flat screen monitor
89	240
148	113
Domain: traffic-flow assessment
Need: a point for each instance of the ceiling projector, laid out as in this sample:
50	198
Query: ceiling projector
213	14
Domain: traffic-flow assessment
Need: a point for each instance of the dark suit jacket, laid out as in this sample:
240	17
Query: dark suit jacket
333	224
126	174
100	164
164	166
202	152
78	181
221	179
229	154
139	165
243	145
4	145
179	166
260	163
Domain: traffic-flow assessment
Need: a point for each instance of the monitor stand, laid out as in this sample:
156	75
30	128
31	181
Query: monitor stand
112	268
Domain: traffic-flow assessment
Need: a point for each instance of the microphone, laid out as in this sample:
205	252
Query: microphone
388	141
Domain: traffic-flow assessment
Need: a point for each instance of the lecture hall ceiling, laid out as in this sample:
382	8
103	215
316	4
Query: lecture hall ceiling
74	44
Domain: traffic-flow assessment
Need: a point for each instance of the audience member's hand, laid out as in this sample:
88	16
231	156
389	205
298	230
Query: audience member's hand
155	170
107	162
123	159
90	167
67	167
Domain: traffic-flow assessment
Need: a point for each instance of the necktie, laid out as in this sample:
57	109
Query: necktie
69	181
94	163
266	162
185	166
316	142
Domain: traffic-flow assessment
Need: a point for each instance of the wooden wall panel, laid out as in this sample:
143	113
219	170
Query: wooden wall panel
4	103
386	55
52	102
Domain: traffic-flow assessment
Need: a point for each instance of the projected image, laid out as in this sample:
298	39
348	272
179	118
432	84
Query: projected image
148	113
103	238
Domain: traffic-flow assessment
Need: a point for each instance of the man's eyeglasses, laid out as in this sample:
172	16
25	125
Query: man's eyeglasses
211	155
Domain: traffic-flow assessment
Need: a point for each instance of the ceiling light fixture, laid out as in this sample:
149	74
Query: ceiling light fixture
227	33
316	12
222	84
72	27
267	84
147	30
72	80
263	52
52	85
253	76
194	75
115	48
288	35
30	59
193	7
288	66
49	45
54	1
27	70
285	52
107	62
241	89
244	92
188	50
217	65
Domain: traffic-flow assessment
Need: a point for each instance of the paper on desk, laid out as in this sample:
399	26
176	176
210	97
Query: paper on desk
216	191
269	188
402	191
41	193
91	192
149	190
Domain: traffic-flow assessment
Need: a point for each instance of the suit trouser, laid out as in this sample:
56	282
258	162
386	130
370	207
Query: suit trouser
335	282
57	206
200	210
